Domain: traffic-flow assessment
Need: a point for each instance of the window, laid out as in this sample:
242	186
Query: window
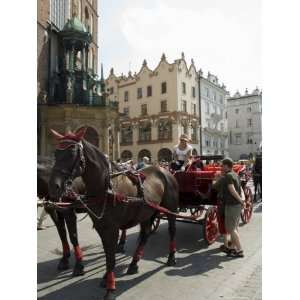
163	106
149	91
183	88
236	110
249	123
126	111
183	106
238	139
207	92
111	90
144	109
145	132
194	133
226	115
249	139
215	96
207	142
59	12
126	96
139	93
237	125
193	108
221	99
126	134
207	107
185	129
164	130
249	109
193	92
163	87
222	126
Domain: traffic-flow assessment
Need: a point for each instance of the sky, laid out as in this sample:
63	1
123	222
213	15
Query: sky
222	36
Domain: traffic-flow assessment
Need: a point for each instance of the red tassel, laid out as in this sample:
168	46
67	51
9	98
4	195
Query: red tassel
139	252
78	253
66	249
172	246
110	281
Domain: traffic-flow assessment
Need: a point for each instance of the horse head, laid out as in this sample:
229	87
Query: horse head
69	162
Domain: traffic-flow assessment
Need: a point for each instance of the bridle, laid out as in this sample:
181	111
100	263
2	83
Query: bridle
79	162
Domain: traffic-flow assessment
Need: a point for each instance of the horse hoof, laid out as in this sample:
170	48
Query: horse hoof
120	248
171	260
133	269
110	295
78	269
63	264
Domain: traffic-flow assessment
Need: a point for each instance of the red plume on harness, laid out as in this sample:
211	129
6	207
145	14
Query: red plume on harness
69	139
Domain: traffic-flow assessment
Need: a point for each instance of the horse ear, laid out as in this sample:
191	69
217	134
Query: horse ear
56	134
80	133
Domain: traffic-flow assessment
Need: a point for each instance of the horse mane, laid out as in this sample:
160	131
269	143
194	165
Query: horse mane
98	162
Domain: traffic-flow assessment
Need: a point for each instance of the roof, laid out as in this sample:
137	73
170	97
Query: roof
74	24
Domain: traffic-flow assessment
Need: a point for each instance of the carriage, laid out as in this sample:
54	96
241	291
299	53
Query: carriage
195	206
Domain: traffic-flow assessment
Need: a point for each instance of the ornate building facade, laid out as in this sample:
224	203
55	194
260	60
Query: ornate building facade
244	124
214	131
157	106
70	93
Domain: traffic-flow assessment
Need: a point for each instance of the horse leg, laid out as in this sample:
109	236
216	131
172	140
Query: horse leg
59	222
139	252
71	221
121	244
109	239
172	246
255	189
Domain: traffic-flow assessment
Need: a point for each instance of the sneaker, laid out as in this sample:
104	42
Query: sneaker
224	249
235	254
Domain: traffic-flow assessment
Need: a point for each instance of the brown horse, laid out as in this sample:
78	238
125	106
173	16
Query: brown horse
66	221
110	212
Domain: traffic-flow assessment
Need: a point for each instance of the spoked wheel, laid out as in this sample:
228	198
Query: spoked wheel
196	211
155	225
248	206
211	226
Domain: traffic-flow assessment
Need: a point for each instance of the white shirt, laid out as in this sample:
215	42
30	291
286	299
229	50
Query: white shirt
181	154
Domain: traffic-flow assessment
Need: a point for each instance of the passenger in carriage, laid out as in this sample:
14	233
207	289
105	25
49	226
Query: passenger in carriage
181	154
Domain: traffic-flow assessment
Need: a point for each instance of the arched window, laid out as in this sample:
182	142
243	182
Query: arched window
164	154
91	25
164	130
126	155
92	136
90	62
87	19
144	153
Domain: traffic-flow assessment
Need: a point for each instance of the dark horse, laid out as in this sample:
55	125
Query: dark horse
257	175
76	157
61	219
65	220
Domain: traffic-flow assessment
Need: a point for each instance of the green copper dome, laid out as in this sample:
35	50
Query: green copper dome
74	24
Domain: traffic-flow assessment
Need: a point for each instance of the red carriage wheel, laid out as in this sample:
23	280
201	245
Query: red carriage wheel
155	225
248	206
211	226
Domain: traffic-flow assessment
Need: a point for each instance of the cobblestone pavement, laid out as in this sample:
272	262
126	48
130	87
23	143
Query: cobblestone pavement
201	272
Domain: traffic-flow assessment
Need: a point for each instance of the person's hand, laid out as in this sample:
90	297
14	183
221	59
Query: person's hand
182	169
